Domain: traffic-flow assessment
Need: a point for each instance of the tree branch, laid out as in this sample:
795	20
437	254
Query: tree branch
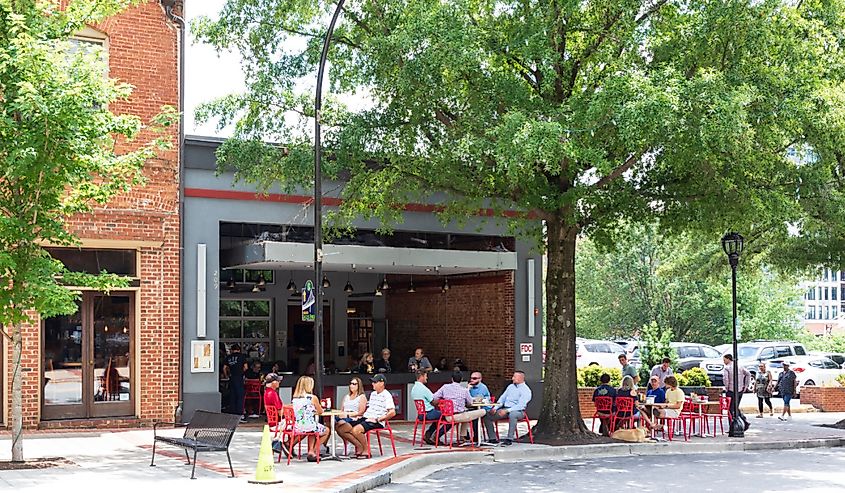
654	8
616	173
576	66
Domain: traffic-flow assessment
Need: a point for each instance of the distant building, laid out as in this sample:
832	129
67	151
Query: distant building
824	303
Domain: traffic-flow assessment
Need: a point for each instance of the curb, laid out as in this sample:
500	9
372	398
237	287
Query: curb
446	459
412	464
659	448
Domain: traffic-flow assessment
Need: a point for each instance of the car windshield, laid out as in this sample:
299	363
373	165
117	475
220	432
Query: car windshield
747	352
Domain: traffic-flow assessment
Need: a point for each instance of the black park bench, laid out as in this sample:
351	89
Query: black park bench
206	432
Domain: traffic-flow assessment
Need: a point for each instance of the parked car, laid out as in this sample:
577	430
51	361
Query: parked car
630	345
837	358
750	354
691	354
594	352
809	370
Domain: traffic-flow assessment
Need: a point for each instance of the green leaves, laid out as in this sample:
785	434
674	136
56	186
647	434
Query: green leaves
57	147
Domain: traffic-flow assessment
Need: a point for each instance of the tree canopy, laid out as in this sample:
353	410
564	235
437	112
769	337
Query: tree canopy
705	114
57	155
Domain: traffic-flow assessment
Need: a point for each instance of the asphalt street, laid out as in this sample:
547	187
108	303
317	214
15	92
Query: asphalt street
807	470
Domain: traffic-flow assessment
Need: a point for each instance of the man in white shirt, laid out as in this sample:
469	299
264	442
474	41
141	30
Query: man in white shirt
380	408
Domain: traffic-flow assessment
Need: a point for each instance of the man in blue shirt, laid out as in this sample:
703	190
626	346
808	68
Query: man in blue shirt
604	390
419	392
478	391
512	407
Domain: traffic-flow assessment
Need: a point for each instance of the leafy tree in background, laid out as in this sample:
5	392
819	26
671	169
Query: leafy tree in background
655	345
649	276
585	114
57	155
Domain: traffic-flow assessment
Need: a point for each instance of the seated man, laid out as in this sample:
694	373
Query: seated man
419	361
380	408
674	399
460	398
480	393
419	392
512	404
604	390
383	365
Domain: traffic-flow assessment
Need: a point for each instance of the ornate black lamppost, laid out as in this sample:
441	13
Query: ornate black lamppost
732	245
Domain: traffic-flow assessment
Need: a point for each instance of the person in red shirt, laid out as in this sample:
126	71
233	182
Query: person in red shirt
271	391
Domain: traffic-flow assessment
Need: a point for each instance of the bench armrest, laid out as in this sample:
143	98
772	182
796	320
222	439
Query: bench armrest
155	425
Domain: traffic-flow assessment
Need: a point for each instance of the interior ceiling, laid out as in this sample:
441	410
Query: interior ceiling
362	268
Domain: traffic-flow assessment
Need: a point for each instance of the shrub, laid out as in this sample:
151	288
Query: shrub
589	376
841	380
694	377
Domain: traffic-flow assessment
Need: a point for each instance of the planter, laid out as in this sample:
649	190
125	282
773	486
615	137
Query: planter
825	399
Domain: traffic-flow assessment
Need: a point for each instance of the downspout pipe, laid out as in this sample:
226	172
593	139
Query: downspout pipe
169	7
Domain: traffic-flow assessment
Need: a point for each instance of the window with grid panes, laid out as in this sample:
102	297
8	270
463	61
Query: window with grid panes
247	322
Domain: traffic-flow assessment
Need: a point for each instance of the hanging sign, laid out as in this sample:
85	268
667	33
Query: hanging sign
309	302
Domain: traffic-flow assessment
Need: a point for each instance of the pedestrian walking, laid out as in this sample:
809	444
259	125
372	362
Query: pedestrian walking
764	387
787	384
744	382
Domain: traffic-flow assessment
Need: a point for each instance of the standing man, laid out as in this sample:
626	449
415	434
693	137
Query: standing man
383	365
237	366
420	392
628	369
662	371
744	381
787	385
513	403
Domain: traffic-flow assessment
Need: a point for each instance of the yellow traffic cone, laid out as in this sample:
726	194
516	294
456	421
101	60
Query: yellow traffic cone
265	473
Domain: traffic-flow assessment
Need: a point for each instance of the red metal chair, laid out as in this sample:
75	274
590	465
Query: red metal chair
689	415
670	423
447	415
624	413
604	408
290	431
273	420
387	429
724	414
253	393
525	418
421	419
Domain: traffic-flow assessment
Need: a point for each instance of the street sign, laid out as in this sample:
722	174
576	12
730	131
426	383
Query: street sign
526	348
309	302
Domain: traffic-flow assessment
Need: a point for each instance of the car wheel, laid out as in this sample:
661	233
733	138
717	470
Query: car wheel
593	364
809	382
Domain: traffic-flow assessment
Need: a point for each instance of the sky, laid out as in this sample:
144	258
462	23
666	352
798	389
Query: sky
208	75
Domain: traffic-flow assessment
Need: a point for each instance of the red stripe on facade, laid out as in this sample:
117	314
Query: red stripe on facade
204	193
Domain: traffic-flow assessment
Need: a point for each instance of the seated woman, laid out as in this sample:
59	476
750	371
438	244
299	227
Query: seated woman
353	407
366	364
674	399
306	408
627	390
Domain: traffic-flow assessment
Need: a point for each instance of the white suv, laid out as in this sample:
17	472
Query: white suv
594	352
750	355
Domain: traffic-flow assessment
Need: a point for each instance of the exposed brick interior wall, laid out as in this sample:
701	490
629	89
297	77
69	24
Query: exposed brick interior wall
473	320
142	51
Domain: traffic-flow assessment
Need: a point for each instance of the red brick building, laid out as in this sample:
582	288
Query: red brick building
116	361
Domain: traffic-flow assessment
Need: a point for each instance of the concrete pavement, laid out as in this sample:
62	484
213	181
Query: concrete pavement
110	459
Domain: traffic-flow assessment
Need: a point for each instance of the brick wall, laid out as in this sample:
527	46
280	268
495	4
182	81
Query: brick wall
827	399
143	51
473	320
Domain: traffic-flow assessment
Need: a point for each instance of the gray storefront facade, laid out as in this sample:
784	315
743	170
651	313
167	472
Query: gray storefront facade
472	293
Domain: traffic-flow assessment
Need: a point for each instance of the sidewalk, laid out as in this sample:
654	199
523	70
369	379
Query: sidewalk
118	459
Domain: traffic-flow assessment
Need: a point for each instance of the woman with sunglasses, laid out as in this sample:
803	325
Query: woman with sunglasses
354	404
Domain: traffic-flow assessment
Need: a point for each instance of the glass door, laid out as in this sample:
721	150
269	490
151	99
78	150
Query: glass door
88	359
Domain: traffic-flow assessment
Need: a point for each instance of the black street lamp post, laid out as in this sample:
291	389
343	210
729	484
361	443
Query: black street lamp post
732	245
318	209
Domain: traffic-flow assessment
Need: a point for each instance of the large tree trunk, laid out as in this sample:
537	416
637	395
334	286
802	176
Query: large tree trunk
17	400
560	418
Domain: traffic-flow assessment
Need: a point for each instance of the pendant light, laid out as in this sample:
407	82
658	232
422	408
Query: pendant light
262	281
411	286
445	284
348	289
378	289
384	286
291	285
230	284
326	283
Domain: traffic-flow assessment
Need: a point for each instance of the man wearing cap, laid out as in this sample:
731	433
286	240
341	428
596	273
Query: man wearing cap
380	408
787	385
272	399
